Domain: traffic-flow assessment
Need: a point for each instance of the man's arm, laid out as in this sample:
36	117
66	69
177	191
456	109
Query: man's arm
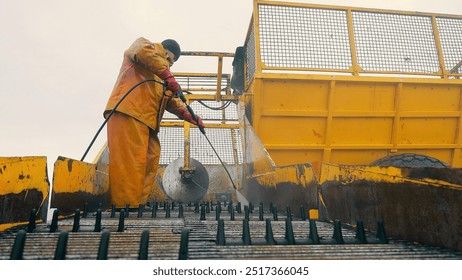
178	108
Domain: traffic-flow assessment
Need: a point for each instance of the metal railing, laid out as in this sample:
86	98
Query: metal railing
213	101
321	38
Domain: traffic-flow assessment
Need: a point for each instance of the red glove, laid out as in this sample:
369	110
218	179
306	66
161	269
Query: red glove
172	84
184	114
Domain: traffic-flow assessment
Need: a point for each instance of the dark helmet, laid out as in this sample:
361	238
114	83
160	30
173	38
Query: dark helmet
172	46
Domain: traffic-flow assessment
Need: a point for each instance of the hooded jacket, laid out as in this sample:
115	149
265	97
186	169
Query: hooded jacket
146	103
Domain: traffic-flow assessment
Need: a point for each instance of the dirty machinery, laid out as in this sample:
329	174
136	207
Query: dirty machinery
338	136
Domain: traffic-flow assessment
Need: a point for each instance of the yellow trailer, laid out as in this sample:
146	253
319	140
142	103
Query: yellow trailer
351	92
350	86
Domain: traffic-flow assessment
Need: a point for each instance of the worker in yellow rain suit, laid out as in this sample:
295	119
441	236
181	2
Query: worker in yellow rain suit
134	147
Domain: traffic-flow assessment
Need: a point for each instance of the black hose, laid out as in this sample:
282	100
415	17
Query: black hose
224	106
113	110
181	96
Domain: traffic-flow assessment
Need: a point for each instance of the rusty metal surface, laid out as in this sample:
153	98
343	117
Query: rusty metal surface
413	208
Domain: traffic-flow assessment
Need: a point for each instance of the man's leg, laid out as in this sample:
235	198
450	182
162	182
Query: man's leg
128	141
152	190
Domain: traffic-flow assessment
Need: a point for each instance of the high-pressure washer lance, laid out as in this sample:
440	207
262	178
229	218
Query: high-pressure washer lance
190	110
181	96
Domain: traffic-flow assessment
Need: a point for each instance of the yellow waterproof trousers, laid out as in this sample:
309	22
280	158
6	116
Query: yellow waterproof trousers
134	151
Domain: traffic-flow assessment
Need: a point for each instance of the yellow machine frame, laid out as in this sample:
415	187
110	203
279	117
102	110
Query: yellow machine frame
353	116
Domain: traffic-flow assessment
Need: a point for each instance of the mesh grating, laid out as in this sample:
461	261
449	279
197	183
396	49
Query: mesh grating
393	42
221	140
172	142
202	83
450	31
250	56
172	138
302	37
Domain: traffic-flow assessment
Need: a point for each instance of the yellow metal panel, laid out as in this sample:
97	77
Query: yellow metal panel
293	156
363	130
292	130
72	176
24	186
299	95
430	97
355	120
353	96
78	184
357	156
428	131
22	173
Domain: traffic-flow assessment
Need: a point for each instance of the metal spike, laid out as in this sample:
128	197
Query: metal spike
288	213
246	232
98	221
18	246
140	211
54	221
144	245
113	211
337	236
61	246
76	225
360	234
184	243
260	212
269	233
180	210
275	213
127	210
246	212
221	240
202	213
32	217
104	245
289	232
121	221
314	237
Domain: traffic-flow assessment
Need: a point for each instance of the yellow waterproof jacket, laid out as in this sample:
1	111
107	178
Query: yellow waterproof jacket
143	60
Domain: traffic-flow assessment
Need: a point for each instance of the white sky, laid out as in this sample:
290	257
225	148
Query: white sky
59	59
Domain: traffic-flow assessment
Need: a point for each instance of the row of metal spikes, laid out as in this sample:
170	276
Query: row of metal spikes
124	213
312	239
61	246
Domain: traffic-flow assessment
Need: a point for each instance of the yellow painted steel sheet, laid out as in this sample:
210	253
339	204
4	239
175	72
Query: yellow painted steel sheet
21	173
76	184
24	186
343	99
76	176
348	120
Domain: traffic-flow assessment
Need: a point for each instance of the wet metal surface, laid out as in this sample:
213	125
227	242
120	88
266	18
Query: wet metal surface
195	236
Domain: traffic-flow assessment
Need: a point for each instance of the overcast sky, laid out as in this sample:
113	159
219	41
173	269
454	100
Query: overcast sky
59	59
